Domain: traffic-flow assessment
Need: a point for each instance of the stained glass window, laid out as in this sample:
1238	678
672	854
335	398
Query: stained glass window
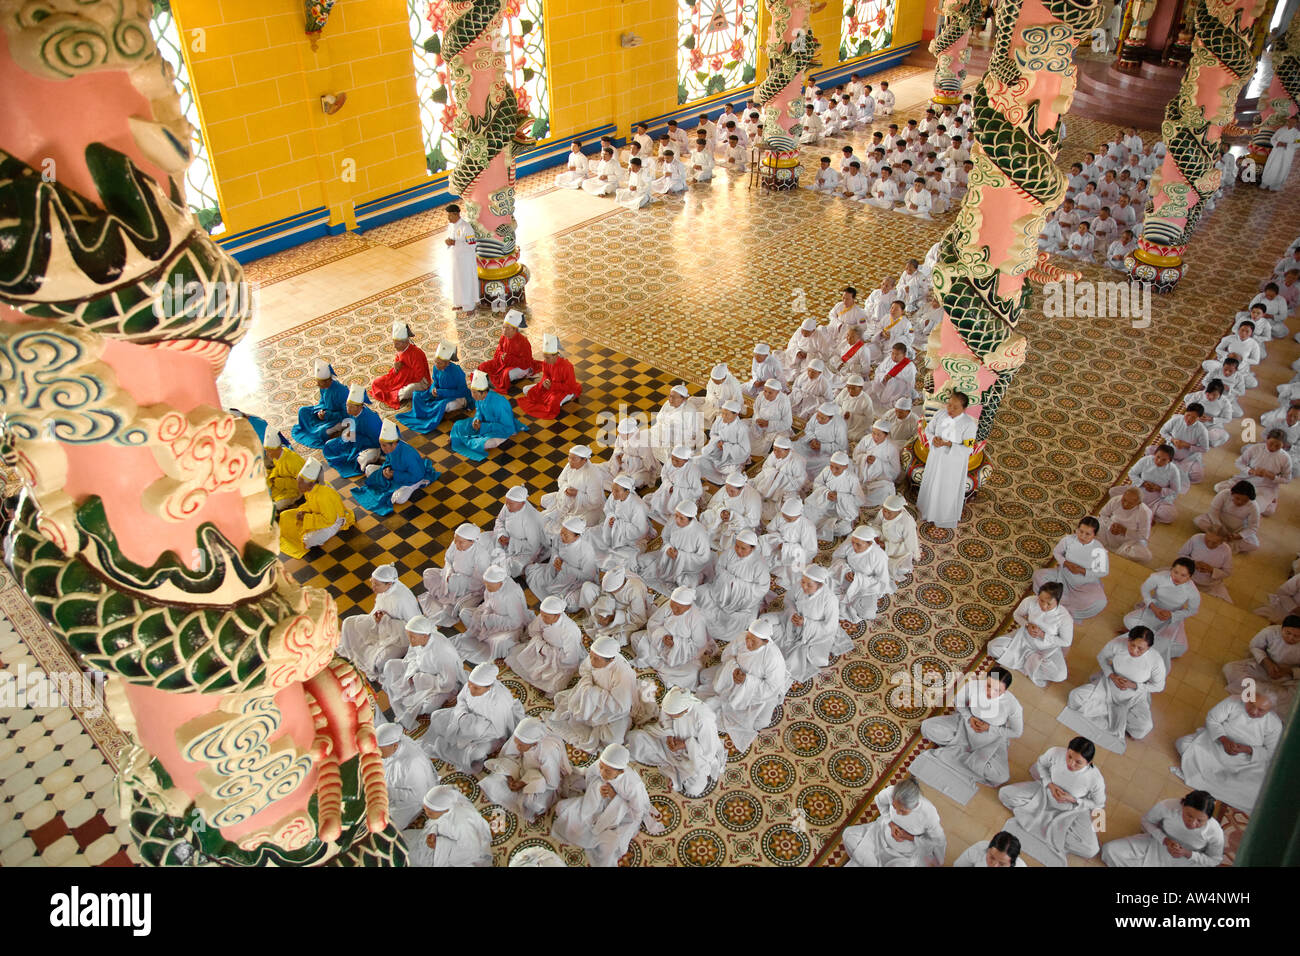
716	46
200	185
525	68
868	27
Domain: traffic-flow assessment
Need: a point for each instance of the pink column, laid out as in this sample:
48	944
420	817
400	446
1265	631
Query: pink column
951	48
791	51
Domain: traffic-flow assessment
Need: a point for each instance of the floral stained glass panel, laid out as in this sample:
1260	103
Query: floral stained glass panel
868	27
521	28
717	47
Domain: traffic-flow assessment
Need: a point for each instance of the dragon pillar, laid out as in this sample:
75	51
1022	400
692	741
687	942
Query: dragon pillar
791	51
951	48
1282	100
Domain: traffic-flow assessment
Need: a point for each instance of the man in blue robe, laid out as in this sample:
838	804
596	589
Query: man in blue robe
322	421
448	393
358	444
493	422
395	477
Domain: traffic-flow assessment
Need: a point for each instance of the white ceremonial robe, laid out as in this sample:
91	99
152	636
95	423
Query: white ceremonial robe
633	457
669	178
898	535
745	707
1132	540
943	482
1257	456
663	571
1181	600
778	479
691	768
633	605
1169	482
1041	659
1239	524
880	474
903	431
578	566
769	419
1233	778
716	394
575	172
788	545
541	769
830	436
1283	601
859	412
917	203
727	450
1084	596
1219	561
409	776
1118	711
884	194
464	265
1278	165
588	503
862	579
371	640
622	532
463	838
808	646
730	601
596	711
424	680
873	844
495	626
604	826
1163	822
672	426
474	727
1268	644
456	585
524	538
603	179
827	181
982	752
731	511
1066	827
636	192
836	517
550	656
677	485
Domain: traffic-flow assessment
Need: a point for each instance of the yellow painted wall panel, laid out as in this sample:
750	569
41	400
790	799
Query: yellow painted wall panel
232	10
212	72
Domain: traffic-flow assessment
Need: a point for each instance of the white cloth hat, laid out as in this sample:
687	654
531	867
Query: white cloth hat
494	574
388	734
815	572
272	440
829	409
357	394
904	403
865	533
781	441
574	524
749	537
484	674
420	625
627	426
817	365
855	379
839	458
479	381
388	431
615	756
445	351
626	481
678	700
773	384
322	369
688	509
683	595
550	344
384	574
468	531
517	493
515	317
880	425
530	730
895	503
808	325
792	507
613	579
719	373
762	348
553	604
441	798
606	646
737	479
311	469
401	330
761	628
733	406
582	451
682	452
681	389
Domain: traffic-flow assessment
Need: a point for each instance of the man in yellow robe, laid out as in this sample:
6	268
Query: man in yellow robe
320	517
282	467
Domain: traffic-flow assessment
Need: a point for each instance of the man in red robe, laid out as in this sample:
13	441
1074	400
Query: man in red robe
513	358
410	371
558	386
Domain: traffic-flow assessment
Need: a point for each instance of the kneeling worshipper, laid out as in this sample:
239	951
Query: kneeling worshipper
1081	563
1175	833
675	641
517	534
427	677
764	367
458	584
573	564
683	743
810	389
808	629
836	497
979	734
320	517
906	833
1212	555
1003	851
678	422
1230	755
771	417
320	422
876	458
1274	662
860	570
1283	602
632	456
1037	647
951	434
408	774
579	492
1168	599
683	555
1234	514
454	833
728	446
604	174
550	656
558	385
1267	466
410	371
371	640
735	591
782	477
1189	438
357	445
789	543
398	474
484	715
1118	700
494	627
1126	525
492	424
513	358
898	535
904	424
824	435
612	809
1056	806
448	392
1159	481
895	378
626	605
575	171
525	776
679	483
735	507
635	191
855	403
597	710
746	685
282	468
723	387
620	537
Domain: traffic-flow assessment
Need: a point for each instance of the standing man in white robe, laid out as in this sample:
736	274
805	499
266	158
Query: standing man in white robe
683	743
675	641
951	433
525	776
745	687
371	640
464	264
429	675
987	718
484	715
454	833
876	459
597	711
608	815
407	772
458	584
1230	755
550	656
907	831
494	627
1081	563
1119	698
517	535
1278	165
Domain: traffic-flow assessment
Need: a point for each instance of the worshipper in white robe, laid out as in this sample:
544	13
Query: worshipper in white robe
1126	525
746	685
1216	412
1168	599
580	491
525	776
1120	249
1278	165
764	367
836	498
621	535
808	628
683	555
575	169
619	607
603	175
733	595
683	742
1212	555
783	475
772	416
1175	833
670	175
461	239
1287	421
854	183
1057	804
788	543
825	434
857	408
951	433
812	386
458	584
1037	646
573	564
632	456
860	572
597	710
723	387
1231	754
1274	662
454	832
978	734
608	815
827	180
904	423
1234	514
1119	698
1282	602
635	192
494	627
371	640
700	162
907	831
898	535
1001	852
735	507
809	341
728	446
552	652
1081	563
478	723
1159	481
1189	438
678	422
884	192
876	459
917	201
407	772
1242	345
517	534
426	677
1228	373
1267	466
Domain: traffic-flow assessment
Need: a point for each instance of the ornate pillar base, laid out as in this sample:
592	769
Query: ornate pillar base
946	97
780	168
977	468
502	278
1159	266
1130	59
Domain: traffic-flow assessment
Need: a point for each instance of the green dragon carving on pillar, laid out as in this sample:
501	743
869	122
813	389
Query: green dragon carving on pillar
791	52
951	48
